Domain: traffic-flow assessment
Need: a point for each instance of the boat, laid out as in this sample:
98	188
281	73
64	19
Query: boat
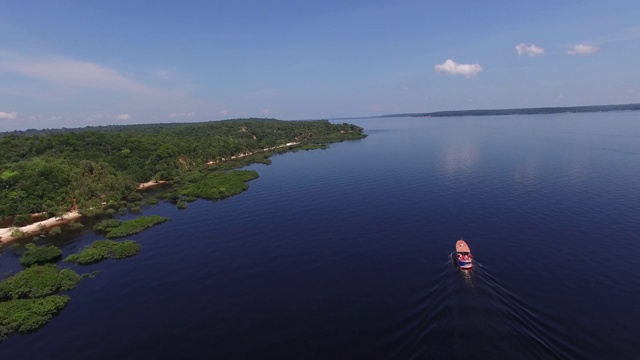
464	259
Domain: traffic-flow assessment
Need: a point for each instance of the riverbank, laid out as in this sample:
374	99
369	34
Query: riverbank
6	234
149	184
249	153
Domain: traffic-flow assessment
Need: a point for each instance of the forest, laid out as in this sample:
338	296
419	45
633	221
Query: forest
98	168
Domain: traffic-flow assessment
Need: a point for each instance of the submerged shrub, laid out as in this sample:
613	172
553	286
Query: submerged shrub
24	315
56	230
104	249
135	226
38	281
220	184
74	226
107	225
39	255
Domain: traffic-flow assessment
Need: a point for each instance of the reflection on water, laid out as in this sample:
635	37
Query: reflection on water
459	158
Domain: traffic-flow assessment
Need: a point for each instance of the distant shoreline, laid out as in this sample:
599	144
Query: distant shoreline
521	111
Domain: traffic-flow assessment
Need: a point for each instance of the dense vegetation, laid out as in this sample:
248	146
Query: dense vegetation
39	255
134	226
105	249
99	167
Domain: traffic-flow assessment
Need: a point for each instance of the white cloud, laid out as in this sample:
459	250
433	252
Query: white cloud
123	117
183	114
224	112
265	111
452	67
72	73
524	50
8	115
582	49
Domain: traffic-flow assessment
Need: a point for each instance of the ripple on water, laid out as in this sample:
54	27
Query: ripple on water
461	309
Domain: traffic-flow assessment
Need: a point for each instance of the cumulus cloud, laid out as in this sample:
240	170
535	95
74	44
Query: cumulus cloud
524	50
123	117
72	73
8	115
453	68
582	49
183	114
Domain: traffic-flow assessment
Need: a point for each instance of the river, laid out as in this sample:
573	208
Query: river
344	253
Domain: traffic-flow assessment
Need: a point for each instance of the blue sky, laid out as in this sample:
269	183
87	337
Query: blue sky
86	63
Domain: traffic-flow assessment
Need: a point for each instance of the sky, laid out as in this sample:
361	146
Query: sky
88	63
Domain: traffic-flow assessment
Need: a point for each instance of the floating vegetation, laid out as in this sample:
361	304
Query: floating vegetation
104	249
181	204
74	226
38	281
27	299
107	225
39	255
219	184
135	226
56	230
25	315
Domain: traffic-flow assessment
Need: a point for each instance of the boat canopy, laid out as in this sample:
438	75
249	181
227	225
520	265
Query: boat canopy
462	247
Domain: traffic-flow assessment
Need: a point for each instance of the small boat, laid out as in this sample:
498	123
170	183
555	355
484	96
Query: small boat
464	259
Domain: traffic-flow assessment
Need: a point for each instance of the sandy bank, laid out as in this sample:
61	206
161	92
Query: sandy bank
149	184
38	227
252	153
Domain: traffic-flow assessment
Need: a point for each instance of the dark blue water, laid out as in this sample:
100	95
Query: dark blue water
344	253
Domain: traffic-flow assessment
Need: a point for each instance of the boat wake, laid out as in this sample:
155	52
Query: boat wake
469	314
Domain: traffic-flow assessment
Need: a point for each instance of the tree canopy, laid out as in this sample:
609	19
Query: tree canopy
100	167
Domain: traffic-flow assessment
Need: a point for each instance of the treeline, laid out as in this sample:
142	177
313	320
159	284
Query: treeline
98	167
524	111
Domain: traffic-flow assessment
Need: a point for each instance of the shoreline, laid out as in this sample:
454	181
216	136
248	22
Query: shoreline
212	162
46	224
37	227
41	226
